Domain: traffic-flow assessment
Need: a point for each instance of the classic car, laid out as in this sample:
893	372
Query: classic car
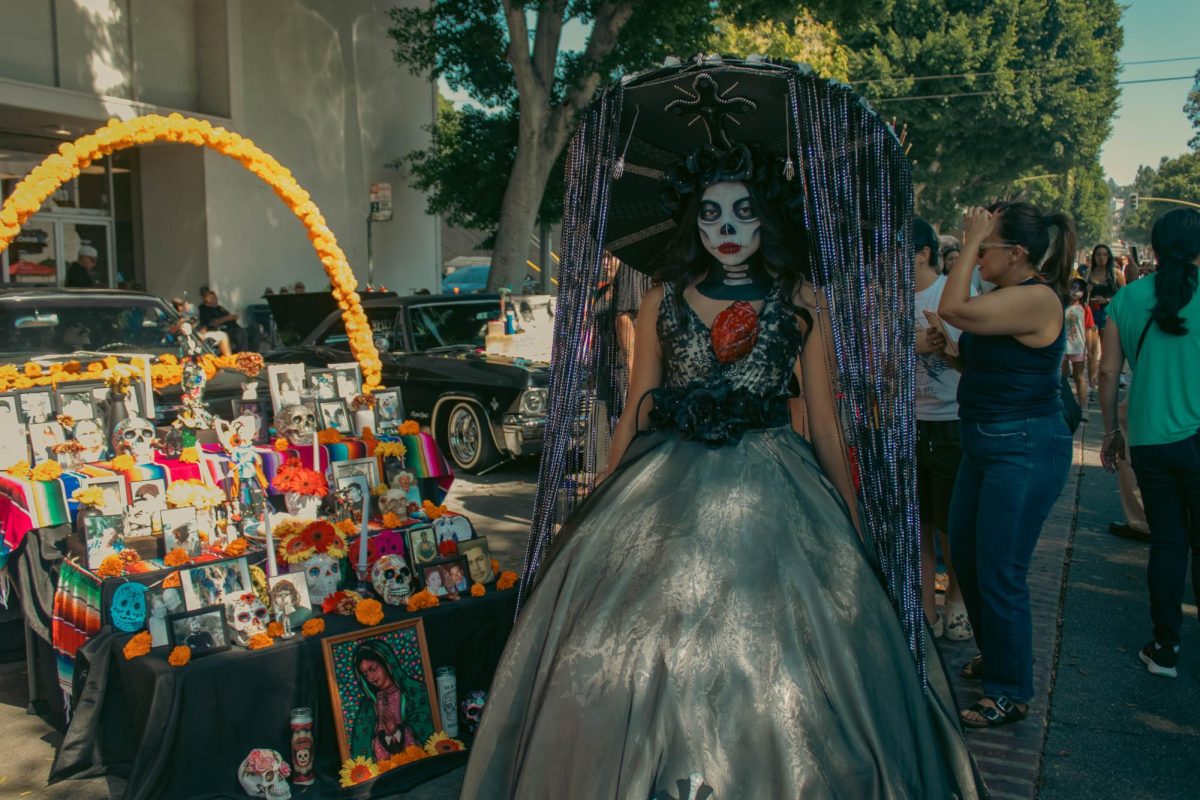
52	324
482	408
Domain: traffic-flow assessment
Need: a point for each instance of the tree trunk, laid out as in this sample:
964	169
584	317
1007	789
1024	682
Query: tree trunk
518	214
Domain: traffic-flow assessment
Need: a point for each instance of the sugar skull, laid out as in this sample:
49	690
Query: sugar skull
134	436
390	576
264	773
246	616
128	609
258	579
296	423
322	573
385	543
472	709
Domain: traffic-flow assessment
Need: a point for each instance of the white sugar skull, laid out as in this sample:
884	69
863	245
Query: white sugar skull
296	423
246	616
322	574
729	223
390	576
134	436
264	773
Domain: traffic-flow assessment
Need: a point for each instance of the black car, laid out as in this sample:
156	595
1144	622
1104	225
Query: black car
86	324
481	408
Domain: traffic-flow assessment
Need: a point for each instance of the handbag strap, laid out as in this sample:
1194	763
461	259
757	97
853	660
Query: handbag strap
1142	338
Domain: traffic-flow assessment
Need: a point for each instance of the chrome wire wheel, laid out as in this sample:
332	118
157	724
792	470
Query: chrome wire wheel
464	435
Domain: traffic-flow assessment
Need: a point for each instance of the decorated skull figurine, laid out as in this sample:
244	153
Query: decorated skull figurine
128	609
472	709
296	423
247	616
135	436
264	773
322	573
390	576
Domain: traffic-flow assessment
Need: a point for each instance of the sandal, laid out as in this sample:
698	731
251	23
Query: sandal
1001	712
973	669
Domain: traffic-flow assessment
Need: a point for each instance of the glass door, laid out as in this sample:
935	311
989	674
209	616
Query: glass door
63	251
32	257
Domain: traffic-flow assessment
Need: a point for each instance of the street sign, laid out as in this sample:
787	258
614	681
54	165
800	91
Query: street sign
381	202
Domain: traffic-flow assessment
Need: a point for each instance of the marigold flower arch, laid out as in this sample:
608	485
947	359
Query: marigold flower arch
72	157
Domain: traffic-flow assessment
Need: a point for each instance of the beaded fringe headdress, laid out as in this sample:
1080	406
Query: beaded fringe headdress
856	186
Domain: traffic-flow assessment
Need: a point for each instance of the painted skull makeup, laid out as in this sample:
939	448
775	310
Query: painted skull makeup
729	225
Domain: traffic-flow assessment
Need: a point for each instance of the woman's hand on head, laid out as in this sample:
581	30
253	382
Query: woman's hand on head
977	224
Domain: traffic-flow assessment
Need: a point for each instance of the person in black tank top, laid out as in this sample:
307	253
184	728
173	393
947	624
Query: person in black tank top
1016	443
1104	279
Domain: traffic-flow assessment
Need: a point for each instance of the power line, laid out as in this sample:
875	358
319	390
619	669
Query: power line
1049	68
950	95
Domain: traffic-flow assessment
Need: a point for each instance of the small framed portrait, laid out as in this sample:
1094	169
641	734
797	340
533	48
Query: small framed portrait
160	604
290	603
335	414
105	537
389	411
14	441
260	411
479	559
89	433
354	497
446	577
135	398
367	467
453	527
209	584
180	530
43	436
286	382
422	545
112	488
381	686
323	383
76	400
10	413
147	499
35	405
348	376
202	630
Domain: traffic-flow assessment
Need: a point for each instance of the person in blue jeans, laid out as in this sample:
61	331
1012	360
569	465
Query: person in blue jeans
1155	322
1016	443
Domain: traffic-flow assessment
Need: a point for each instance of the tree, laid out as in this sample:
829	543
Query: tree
1033	88
1081	192
1176	179
1192	109
801	39
507	56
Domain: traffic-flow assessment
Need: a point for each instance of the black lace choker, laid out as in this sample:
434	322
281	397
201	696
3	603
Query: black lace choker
743	282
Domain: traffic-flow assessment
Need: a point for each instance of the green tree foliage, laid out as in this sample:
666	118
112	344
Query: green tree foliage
802	39
1192	109
1081	192
1037	95
1174	179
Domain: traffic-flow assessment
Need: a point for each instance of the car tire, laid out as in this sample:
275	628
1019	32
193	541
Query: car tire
465	437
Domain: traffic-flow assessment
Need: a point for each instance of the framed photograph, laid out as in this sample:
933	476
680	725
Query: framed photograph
180	530
289	599
147	499
455	527
354	495
260	410
42	438
349	379
90	435
209	584
479	559
446	578
10	413
389	411
367	467
422	545
160	604
376	672
35	405
76	400
286	381
112	487
323	383
134	398
105	537
335	414
14	441
201	630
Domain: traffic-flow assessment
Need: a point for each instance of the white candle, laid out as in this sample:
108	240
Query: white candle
316	453
272	569
362	538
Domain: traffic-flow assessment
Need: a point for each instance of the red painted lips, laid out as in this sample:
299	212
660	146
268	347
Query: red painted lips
729	248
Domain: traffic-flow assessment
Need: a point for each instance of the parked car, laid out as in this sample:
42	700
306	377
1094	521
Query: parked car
467	280
481	408
86	324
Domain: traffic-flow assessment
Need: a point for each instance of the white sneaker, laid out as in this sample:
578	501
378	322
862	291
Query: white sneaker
958	627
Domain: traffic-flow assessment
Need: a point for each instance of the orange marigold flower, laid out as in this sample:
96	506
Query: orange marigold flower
33	370
111	567
507	580
95	366
176	558
260	641
46	471
346	527
391	520
122	463
275	629
129	556
369	612
495	567
432	511
236	547
20	470
171	581
314	626
422	599
281	445
410	427
180	656
169	359
477	590
138	646
329	436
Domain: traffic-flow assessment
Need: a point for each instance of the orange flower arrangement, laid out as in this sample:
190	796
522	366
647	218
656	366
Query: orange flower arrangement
422	599
292	476
111	567
410	427
359	769
260	641
129	556
275	629
408	755
138	646
391	449
20	470
313	626
346	527
329	436
176	558
507	580
33	370
72	157
46	471
122	463
171	581
391	520
237	547
439	744
495	567
249	364
432	511
180	656
369	612
478	590
281	445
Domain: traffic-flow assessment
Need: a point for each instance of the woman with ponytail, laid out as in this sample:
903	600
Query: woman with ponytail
1105	276
1016	443
1155	323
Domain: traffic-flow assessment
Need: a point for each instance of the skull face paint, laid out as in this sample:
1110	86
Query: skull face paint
730	229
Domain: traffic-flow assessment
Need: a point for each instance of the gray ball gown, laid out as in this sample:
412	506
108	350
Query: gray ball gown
711	610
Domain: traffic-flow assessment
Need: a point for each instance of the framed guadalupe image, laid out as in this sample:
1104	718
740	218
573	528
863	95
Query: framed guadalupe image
202	631
422	545
179	530
76	400
389	411
479	559
382	690
335	414
367	467
105	537
35	405
348	376
286	381
112	488
209	584
323	383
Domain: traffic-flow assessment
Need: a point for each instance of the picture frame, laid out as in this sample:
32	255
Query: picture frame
202	630
290	602
105	536
394	655
478	554
261	410
10	413
35	405
180	529
368	467
286	382
14	436
113	489
451	574
421	544
147	499
323	383
42	438
76	400
453	526
348	376
336	414
210	583
89	433
389	411
161	603
356	492
134	398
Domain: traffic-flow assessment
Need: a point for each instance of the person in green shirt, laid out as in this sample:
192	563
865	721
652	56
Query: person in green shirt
1155	323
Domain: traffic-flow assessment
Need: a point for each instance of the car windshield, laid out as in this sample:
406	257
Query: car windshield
468	275
46	326
437	325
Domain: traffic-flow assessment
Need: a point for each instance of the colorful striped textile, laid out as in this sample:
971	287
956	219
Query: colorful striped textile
76	618
423	458
25	505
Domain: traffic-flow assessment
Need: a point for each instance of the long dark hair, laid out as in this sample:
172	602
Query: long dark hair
1110	265
1025	224
1176	243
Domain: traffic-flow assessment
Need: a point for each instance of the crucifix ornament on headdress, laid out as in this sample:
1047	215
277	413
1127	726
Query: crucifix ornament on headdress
705	102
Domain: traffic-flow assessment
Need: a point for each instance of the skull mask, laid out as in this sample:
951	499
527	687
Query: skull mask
264	773
472	709
134	436
390	577
247	616
128	609
322	574
296	423
729	223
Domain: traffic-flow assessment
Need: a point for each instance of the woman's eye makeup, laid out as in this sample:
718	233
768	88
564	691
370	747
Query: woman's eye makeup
709	212
744	209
